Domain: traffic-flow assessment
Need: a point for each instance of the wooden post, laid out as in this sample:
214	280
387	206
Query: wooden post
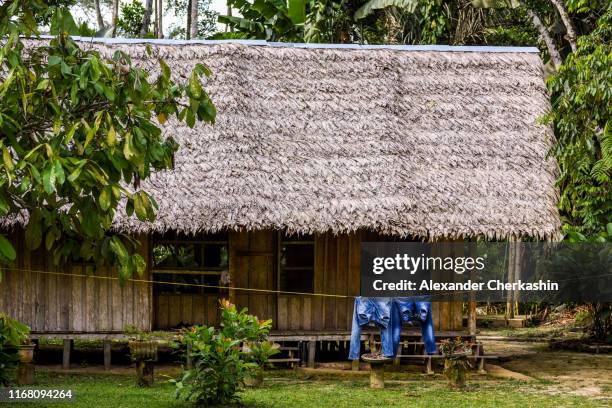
481	366
472	297
517	276
144	372
509	294
25	374
377	375
106	345
355	365
397	362
312	349
68	344
428	369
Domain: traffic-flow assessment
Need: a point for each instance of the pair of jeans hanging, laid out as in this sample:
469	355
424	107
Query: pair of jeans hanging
379	312
406	310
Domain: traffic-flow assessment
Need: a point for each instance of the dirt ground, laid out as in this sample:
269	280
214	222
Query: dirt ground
558	372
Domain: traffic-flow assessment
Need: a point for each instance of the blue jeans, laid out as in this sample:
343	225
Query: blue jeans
406	310
377	311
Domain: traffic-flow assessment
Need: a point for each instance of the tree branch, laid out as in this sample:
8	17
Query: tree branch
567	22
555	57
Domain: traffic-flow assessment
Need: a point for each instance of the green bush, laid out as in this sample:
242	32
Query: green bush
223	358
12	334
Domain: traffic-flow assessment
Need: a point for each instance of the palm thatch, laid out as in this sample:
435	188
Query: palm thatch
436	144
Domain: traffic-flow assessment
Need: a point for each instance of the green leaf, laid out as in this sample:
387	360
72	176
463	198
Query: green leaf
609	229
119	249
8	160
297	11
140	264
140	207
408	6
54	60
59	173
6	249
49	179
105	199
62	22
194	86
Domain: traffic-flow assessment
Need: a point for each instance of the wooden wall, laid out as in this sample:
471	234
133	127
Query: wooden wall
337	272
85	304
53	303
172	310
252	264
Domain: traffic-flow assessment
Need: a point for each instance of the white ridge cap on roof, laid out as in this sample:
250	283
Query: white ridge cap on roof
438	48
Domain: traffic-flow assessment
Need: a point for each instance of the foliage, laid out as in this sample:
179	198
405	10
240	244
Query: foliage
130	20
12	334
598	318
369	7
220	362
262	19
207	18
456	363
78	134
581	99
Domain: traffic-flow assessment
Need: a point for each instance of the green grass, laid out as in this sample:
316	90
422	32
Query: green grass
286	389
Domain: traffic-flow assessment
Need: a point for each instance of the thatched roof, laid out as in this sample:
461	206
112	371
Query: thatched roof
407	141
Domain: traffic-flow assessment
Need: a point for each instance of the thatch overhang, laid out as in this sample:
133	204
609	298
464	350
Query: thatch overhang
435	142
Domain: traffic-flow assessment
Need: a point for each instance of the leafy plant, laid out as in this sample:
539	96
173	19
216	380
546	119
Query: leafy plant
581	101
456	363
12	335
79	133
221	363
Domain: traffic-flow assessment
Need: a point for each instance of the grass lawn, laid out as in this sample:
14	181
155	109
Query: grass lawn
288	389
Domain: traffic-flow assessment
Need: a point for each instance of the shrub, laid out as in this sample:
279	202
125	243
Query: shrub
220	362
12	335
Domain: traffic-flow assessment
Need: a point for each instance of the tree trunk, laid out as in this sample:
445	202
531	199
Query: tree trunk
146	19
229	13
194	19
188	28
555	57
160	13
99	18
567	22
114	18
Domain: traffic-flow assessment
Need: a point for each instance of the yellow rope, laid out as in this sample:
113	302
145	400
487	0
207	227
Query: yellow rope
281	292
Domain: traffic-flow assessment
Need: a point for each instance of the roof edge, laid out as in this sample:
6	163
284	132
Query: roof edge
264	43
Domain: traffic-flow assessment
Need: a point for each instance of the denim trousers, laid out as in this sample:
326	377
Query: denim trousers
379	312
389	314
406	310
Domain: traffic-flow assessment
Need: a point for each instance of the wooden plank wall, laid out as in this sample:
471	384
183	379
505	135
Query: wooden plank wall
336	272
186	309
252	264
55	303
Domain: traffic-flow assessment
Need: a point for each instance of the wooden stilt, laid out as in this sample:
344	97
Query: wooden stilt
68	344
107	354
377	375
428	369
312	349
25	374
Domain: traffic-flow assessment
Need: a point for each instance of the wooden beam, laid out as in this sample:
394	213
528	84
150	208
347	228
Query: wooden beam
106	345
68	344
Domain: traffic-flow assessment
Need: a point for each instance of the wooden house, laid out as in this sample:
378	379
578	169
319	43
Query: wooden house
315	149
